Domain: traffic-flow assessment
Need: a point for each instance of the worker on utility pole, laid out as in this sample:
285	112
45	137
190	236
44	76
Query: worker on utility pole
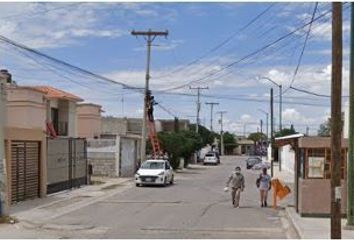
150	106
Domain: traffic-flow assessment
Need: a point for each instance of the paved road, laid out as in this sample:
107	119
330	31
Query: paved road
195	207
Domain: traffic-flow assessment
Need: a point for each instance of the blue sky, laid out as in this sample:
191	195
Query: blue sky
96	36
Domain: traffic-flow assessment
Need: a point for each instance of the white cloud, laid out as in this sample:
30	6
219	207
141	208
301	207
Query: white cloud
51	25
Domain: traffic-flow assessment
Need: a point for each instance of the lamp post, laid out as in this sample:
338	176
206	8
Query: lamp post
280	99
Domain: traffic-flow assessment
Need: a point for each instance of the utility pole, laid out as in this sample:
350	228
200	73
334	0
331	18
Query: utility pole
261	125
198	105
3	176
149	37
350	167
211	113
222	132
280	100
267	117
336	120
271	133
280	107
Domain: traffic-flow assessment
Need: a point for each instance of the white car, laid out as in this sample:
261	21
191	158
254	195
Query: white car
211	158
154	172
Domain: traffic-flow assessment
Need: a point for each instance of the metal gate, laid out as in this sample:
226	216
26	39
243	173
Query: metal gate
25	171
67	164
127	157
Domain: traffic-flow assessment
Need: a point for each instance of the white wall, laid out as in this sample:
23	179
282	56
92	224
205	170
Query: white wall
346	120
287	157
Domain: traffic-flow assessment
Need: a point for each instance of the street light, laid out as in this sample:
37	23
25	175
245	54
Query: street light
280	99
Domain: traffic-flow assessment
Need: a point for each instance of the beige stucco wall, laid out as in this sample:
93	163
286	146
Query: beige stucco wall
315	196
72	120
25	109
89	120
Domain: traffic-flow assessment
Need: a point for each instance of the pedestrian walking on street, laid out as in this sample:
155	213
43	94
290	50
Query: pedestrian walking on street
263	183
237	184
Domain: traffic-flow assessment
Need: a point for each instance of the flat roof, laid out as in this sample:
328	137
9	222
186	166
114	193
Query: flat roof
297	135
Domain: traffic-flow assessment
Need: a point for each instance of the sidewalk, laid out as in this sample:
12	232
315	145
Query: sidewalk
314	227
306	227
34	215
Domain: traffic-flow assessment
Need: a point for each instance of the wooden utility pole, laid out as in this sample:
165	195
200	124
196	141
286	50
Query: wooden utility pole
350	165
336	120
222	132
211	113
149	37
271	132
198	105
3	176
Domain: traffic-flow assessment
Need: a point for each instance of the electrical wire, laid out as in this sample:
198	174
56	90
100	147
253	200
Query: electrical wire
220	45
303	48
265	47
63	63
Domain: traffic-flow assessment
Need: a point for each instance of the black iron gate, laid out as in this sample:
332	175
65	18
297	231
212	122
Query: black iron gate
67	164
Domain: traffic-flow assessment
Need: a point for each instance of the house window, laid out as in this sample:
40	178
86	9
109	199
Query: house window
316	167
55	119
316	162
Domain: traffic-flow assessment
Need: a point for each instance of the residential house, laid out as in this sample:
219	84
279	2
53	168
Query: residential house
42	151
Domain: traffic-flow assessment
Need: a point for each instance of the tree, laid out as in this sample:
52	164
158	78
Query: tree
325	129
257	137
180	144
206	135
229	142
286	132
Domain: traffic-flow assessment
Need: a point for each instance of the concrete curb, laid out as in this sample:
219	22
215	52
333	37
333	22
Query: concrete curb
291	219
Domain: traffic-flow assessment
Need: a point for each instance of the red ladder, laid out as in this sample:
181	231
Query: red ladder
156	150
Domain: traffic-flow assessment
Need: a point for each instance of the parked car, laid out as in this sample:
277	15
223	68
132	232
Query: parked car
154	172
261	165
251	161
211	158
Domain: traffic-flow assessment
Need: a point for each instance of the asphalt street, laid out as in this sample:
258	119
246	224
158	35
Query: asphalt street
194	207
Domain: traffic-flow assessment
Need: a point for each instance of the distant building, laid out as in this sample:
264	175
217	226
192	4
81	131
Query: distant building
134	125
245	146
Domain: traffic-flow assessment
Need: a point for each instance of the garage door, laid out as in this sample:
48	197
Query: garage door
24	170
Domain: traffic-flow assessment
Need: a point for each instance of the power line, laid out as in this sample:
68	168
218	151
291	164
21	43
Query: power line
309	92
220	45
240	99
253	53
63	63
303	48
